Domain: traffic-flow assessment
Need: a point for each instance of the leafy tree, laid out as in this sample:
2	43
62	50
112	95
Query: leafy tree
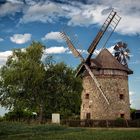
27	83
64	90
132	113
22	79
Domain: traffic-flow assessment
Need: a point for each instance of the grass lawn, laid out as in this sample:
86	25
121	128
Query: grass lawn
18	131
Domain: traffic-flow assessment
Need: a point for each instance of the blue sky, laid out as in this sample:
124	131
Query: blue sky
22	21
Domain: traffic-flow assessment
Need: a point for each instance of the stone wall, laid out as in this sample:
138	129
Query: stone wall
115	87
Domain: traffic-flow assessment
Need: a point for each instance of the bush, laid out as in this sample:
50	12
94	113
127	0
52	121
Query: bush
1	119
18	115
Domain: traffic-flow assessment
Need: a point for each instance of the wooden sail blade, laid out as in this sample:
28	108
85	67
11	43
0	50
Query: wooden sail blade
71	46
113	17
77	54
96	82
112	20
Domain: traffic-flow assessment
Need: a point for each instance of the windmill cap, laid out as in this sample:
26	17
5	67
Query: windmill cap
105	60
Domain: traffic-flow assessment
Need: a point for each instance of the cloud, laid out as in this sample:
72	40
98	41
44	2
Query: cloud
16	1
81	51
87	15
131	102
76	12
61	49
10	8
126	25
43	12
53	36
4	56
135	62
20	38
3	110
51	50
111	49
131	93
56	50
1	39
135	103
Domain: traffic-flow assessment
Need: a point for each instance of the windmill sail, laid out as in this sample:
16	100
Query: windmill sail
71	46
96	82
77	54
112	20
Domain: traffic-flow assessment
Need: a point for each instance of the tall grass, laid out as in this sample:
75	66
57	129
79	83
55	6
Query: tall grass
19	131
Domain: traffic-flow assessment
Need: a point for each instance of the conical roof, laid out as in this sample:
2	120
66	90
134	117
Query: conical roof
105	60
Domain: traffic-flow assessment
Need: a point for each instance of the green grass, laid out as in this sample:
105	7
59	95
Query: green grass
18	131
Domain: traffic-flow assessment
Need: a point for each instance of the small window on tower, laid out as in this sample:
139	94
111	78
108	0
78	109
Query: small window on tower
87	96
121	97
122	115
88	116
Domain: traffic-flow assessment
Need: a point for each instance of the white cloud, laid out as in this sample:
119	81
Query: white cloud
4	56
1	39
44	12
96	52
31	2
111	49
82	51
15	1
10	8
135	102
96	14
20	38
56	50
128	25
61	49
53	36
3	110
87	15
131	93
51	50
77	13
131	101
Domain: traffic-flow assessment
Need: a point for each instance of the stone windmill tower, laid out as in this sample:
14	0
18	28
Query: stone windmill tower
105	79
113	78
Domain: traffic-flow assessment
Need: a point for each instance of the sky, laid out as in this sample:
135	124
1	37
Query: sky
24	21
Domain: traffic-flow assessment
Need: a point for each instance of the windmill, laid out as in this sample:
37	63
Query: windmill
122	53
111	21
105	78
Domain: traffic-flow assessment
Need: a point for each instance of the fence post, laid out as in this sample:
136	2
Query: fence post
107	125
126	123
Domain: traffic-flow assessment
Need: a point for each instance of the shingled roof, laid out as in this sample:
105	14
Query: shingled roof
105	60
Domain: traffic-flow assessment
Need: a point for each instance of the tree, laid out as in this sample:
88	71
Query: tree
29	84
22	79
64	90
132	113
